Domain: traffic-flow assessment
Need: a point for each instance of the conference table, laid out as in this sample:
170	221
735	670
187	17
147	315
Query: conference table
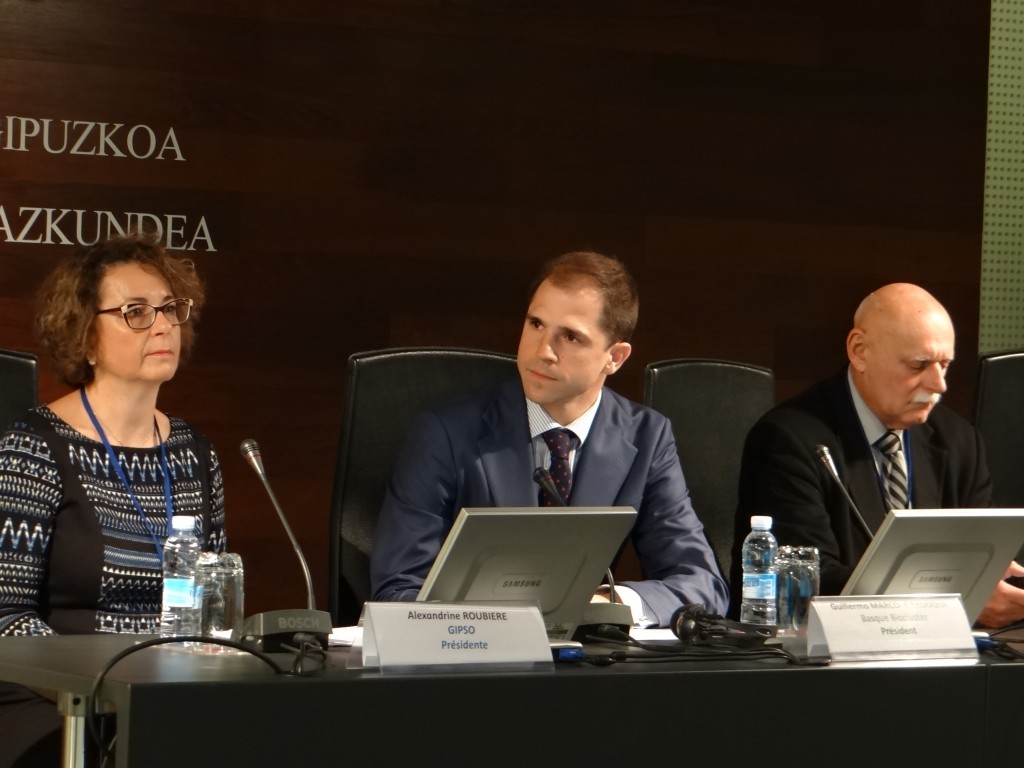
231	710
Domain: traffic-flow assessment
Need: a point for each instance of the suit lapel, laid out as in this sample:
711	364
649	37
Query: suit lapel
505	451
928	461
606	459
864	488
861	473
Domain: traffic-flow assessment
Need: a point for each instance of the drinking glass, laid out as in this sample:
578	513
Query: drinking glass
798	581
222	581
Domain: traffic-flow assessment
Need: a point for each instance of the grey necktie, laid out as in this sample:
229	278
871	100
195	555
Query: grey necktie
894	476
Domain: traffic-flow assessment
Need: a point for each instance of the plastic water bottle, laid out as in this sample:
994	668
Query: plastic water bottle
182	601
759	576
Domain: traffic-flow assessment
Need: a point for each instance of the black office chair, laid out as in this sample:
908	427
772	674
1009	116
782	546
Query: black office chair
386	389
999	416
712	405
18	385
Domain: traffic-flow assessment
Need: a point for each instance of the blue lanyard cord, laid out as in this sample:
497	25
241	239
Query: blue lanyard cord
116	463
908	455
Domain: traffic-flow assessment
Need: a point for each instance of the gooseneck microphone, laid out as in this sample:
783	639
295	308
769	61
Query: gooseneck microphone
251	453
542	477
277	628
825	456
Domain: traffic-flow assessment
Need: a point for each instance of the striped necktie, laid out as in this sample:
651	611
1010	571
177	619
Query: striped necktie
894	476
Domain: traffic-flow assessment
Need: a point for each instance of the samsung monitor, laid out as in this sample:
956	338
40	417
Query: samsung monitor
555	557
940	551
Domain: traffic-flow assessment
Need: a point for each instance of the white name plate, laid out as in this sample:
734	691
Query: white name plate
417	634
866	627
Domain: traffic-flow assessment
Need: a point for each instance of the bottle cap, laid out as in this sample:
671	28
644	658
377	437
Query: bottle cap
761	522
183	522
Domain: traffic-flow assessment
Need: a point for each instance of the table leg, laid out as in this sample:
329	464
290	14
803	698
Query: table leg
72	707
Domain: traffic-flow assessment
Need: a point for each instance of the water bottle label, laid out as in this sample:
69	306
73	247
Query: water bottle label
758	586
179	593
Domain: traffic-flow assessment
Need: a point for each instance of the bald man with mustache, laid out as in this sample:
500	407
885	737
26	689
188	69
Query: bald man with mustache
899	351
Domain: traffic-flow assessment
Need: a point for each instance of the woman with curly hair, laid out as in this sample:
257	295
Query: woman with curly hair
89	482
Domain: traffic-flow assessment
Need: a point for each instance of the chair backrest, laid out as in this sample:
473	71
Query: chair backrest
999	416
18	385
386	389
712	405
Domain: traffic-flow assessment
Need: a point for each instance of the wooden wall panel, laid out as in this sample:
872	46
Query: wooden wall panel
388	173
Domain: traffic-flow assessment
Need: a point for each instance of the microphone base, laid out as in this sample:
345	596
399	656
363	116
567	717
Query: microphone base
269	632
616	614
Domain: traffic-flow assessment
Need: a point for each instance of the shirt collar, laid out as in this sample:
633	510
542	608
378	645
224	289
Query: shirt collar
541	422
871	424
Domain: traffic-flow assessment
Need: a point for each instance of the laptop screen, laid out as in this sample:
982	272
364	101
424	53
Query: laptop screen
555	557
940	551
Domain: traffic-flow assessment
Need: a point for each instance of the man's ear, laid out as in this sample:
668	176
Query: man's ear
856	342
619	352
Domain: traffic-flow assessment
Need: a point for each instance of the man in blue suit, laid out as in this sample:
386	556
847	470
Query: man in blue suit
482	451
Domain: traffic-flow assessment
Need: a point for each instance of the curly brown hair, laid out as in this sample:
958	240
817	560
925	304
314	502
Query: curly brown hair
68	299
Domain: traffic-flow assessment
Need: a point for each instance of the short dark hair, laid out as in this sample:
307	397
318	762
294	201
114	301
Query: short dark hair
68	299
609	276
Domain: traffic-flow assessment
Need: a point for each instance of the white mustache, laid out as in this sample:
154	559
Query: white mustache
926	398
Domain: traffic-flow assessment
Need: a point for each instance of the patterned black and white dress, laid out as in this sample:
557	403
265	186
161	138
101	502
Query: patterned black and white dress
75	554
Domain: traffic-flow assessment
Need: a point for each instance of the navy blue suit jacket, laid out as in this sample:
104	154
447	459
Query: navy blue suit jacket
477	453
781	476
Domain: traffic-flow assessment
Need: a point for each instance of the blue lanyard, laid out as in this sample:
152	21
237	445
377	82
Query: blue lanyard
909	454
116	463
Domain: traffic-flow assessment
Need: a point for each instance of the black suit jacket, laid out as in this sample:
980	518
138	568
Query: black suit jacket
781	476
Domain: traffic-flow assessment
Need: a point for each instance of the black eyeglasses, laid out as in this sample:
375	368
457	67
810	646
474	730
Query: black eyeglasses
142	316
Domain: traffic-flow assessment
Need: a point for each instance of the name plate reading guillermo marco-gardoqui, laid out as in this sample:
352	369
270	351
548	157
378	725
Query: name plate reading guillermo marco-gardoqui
865	628
420	633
